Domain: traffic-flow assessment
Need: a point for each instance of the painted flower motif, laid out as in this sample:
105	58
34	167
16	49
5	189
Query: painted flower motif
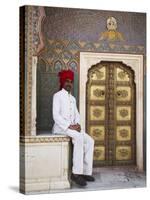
97	153
122	93
97	132
98	93
123	152
122	75
123	133
124	112
97	112
99	74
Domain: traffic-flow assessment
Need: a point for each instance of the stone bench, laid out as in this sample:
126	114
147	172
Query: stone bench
44	163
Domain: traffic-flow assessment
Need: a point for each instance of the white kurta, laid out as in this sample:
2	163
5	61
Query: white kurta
65	113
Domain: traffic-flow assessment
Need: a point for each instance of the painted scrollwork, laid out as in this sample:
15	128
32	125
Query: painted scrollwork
97	112
123	152
98	93
112	34
124	112
122	75
97	132
123	133
98	153
99	74
122	93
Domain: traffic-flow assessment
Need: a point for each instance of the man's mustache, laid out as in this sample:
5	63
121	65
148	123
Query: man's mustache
68	86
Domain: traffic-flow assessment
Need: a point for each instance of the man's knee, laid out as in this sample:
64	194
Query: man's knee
78	137
91	140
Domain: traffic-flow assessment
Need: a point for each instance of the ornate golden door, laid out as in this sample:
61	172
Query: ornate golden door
110	107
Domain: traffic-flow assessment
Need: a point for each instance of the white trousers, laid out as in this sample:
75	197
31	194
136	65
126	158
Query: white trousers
83	146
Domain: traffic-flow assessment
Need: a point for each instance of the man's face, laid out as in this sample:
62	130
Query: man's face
68	85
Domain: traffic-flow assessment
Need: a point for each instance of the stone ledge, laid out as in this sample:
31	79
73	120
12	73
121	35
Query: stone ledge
44	139
44	163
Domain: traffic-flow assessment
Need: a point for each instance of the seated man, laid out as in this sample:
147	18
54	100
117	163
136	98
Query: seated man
67	121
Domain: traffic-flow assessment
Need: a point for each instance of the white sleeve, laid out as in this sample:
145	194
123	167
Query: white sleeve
59	120
77	115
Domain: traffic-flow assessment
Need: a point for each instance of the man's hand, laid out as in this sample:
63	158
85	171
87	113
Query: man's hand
78	127
75	127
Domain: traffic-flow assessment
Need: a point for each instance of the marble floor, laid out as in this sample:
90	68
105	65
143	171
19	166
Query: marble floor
112	178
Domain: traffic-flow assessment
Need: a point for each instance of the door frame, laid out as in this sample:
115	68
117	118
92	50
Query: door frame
87	59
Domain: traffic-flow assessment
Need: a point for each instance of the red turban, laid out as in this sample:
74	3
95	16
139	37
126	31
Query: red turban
65	74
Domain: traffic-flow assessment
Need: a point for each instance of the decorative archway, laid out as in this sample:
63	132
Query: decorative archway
87	59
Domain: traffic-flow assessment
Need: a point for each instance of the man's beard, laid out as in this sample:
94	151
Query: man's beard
68	88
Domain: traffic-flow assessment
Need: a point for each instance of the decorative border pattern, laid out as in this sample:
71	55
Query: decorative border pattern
33	44
44	139
28	66
66	52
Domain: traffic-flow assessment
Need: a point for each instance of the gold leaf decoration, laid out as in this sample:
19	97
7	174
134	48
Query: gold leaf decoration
97	153
123	133
122	75
124	112
123	152
122	93
97	132
99	74
97	112
98	93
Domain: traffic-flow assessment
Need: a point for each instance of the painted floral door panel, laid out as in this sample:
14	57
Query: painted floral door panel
110	113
